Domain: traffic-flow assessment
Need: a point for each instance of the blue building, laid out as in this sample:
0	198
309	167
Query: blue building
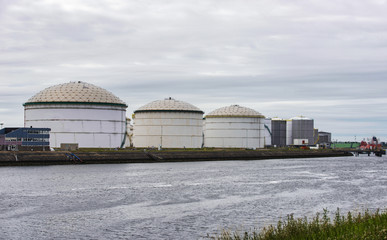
25	139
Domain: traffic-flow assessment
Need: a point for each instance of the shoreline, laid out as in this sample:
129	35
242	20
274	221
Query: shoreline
43	158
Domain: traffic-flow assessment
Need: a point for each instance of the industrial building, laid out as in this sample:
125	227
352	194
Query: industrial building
324	139
82	115
278	130
168	123
234	127
14	139
300	131
78	113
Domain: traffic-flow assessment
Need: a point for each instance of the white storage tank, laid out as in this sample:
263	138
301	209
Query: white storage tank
168	123
234	127
78	113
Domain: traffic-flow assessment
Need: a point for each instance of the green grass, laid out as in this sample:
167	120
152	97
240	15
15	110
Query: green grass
345	145
360	226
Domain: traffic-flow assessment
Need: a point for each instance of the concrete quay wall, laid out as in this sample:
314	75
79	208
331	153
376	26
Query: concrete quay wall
19	158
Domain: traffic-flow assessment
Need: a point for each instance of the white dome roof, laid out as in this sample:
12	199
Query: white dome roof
75	92
168	104
234	111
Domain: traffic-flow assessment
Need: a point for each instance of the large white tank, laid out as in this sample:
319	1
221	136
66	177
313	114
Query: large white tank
78	112
168	123
234	127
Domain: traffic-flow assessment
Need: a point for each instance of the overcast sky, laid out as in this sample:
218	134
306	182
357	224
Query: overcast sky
326	60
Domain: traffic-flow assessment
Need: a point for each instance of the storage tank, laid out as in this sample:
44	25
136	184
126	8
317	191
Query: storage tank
289	132
278	129
168	123
234	127
78	113
302	131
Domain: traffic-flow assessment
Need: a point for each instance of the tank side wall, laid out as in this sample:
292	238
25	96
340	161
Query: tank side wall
88	125
168	129
234	132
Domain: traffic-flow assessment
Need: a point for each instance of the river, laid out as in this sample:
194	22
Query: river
181	200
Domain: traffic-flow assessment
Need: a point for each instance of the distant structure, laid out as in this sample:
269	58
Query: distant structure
300	131
278	129
316	137
78	113
324	139
25	139
129	133
234	127
168	123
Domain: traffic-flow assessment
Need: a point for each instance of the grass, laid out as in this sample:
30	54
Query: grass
360	226
350	145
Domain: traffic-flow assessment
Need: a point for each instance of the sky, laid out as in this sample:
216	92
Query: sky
326	60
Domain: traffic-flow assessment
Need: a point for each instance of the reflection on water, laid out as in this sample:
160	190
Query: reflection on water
180	200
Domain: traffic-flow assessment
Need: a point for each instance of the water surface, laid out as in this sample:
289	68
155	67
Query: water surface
180	200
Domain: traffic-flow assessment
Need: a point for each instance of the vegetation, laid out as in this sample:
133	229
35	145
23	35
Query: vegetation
346	145
366	226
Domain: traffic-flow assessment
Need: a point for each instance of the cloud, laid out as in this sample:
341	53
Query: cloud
325	60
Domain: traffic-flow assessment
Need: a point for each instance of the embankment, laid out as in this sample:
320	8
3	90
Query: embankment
20	158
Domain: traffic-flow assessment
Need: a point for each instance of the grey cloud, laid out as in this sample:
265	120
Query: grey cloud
321	59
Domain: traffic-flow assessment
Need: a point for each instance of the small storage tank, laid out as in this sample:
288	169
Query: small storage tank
168	123
78	113
234	127
300	131
278	129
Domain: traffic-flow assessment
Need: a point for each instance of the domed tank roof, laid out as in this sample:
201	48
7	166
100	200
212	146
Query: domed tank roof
75	93
234	111
168	104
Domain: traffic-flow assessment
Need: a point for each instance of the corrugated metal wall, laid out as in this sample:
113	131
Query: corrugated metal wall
278	128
